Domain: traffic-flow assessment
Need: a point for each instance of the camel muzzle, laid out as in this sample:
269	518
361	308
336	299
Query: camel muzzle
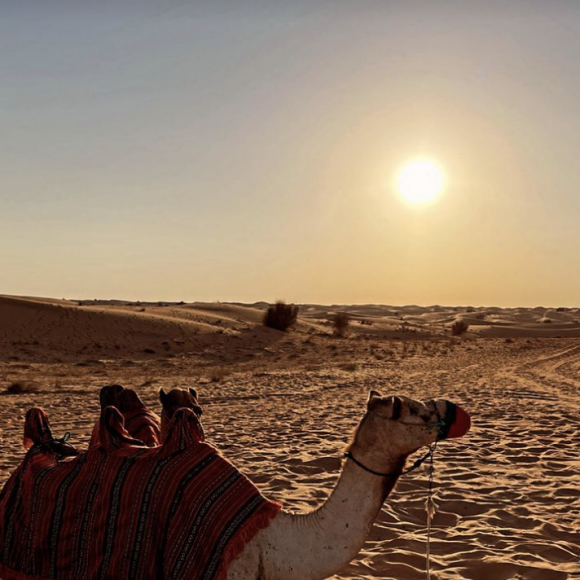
456	422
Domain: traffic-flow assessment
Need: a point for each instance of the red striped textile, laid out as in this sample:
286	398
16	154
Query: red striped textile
123	511
140	422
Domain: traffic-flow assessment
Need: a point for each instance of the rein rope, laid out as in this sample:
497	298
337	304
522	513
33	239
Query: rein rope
430	505
430	508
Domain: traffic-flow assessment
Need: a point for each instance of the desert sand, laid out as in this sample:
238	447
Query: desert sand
282	406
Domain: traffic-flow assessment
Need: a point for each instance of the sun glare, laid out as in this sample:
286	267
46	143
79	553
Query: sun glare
420	182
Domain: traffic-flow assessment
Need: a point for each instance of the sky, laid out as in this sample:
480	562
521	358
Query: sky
247	150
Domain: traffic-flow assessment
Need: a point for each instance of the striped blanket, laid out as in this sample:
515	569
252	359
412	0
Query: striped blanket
123	511
140	422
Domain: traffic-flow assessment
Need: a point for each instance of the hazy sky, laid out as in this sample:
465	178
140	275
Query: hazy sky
246	150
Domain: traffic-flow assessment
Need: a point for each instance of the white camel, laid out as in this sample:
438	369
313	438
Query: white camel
316	545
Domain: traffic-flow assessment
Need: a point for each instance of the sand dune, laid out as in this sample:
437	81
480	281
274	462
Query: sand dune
45	329
34	329
282	407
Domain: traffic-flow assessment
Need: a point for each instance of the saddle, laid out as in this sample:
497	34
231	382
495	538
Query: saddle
124	511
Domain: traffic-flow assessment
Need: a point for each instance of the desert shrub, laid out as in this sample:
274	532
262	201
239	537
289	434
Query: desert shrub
340	323
281	316
459	327
350	367
218	375
22	388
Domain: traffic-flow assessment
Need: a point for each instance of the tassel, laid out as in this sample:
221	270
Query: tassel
431	508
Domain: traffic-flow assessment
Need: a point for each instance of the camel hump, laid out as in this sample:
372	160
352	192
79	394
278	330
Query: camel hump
139	421
184	431
126	400
36	427
178	398
130	401
112	432
110	396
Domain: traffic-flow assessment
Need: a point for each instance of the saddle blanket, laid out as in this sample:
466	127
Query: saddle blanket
123	511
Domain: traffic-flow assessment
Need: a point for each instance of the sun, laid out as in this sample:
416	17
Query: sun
420	182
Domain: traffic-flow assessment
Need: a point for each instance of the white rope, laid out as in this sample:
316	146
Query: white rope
431	508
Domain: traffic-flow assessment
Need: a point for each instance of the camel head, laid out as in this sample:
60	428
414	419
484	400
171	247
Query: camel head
396	426
177	399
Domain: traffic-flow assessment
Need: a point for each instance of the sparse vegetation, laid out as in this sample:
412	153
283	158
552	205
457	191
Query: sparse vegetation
459	327
281	316
22	388
217	375
340	323
350	367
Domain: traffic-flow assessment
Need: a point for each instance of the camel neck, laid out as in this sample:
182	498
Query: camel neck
359	494
332	535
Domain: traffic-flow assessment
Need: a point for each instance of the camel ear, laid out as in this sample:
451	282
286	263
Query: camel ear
374	396
193	392
162	396
397	408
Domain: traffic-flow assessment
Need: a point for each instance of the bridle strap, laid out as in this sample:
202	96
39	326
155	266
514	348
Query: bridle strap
416	464
349	455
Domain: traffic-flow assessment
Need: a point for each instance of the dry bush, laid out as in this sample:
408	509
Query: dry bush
459	327
350	367
22	388
281	316
218	375
340	323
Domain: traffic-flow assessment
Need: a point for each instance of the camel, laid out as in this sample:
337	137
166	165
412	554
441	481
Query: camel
316	545
154	518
